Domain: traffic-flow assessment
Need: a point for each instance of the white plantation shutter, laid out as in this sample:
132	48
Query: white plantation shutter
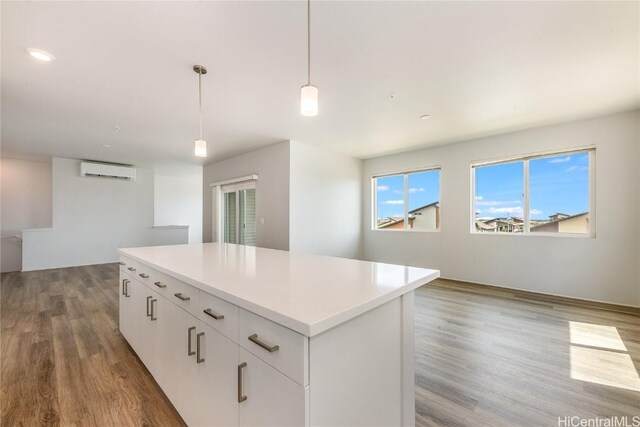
230	226
248	215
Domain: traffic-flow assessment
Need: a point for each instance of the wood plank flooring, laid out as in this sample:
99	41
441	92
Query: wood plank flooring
498	357
63	360
484	356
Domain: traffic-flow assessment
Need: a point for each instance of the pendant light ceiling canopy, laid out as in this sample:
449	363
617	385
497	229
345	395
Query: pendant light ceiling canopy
200	143
309	92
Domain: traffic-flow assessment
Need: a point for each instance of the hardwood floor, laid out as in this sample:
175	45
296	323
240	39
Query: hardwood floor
490	356
484	356
64	361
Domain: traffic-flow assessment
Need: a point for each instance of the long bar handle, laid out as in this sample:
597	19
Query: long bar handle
270	348
153	312
241	396
208	312
131	269
182	297
198	359
126	292
148	310
144	275
160	285
189	351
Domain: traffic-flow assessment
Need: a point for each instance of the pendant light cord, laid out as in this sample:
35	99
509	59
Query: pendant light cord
309	42
200	100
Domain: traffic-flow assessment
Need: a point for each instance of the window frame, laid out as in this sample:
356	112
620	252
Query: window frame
405	174
590	150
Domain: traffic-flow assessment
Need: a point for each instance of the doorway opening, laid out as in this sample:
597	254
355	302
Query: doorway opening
239	214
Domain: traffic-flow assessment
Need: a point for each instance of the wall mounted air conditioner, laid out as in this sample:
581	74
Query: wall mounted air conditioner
105	170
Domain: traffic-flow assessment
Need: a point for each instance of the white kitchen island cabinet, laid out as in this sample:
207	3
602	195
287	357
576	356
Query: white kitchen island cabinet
244	336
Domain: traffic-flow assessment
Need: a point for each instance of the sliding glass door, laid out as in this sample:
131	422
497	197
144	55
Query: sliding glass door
239	211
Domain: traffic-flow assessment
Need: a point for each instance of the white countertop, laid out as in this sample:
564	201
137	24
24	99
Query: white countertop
306	293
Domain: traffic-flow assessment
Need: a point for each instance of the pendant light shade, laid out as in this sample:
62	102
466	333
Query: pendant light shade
309	100
200	144
309	92
201	148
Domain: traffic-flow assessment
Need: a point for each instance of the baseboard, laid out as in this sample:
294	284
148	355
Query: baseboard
631	309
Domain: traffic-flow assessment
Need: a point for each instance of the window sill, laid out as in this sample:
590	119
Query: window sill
570	235
406	231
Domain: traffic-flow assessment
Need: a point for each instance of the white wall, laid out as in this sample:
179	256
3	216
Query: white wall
325	202
25	198
178	201
92	217
272	192
604	268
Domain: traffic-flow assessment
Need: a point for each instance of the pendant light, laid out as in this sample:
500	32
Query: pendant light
201	144
308	92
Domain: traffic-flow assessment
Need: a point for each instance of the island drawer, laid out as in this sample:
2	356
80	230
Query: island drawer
280	347
135	269
183	295
161	283
128	266
219	314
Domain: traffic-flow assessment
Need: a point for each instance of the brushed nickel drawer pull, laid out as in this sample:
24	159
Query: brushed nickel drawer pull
160	285
182	297
126	292
144	275
124	287
189	351
198	359
131	269
241	396
208	312
148	309
153	312
121	263
254	339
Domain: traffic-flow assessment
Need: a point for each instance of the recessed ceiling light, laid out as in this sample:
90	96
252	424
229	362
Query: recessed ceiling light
425	117
41	55
106	145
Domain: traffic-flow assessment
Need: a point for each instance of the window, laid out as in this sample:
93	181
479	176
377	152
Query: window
407	201
538	194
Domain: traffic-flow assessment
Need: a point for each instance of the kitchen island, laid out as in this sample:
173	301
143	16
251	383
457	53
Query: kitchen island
243	336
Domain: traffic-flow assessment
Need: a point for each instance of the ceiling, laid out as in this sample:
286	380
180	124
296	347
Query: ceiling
477	68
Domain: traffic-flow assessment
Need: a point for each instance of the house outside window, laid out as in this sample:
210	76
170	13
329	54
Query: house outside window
408	201
551	194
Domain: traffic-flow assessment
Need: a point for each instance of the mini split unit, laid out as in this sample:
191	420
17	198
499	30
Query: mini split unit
105	170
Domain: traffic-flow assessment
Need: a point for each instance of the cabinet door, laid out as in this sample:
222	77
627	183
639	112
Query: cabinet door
141	298
122	306
214	380
180	339
126	310
137	313
157	330
272	398
148	314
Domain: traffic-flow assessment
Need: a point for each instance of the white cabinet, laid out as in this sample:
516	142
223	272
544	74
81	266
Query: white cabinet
201	371
151	312
214	379
204	372
269	398
129	300
181	357
280	347
223	365
125	308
